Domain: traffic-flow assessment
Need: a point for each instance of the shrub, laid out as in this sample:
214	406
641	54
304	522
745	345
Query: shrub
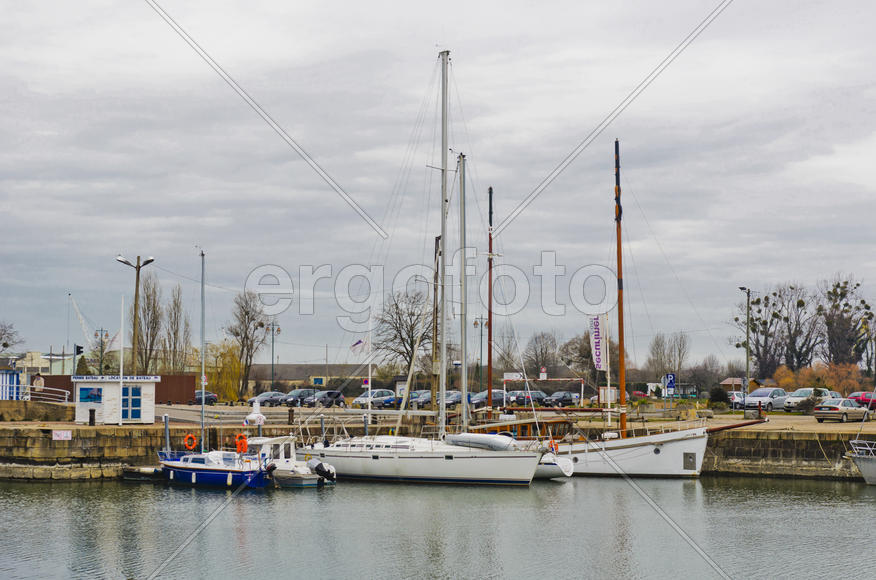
718	395
718	406
807	405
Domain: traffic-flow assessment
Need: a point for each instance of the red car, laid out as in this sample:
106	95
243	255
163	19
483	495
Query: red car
864	398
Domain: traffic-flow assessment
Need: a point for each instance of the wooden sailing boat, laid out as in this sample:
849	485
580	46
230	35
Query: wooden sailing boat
676	453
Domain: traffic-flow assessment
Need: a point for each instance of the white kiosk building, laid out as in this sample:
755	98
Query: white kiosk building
115	399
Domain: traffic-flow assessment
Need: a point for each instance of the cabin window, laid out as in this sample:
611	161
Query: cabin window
198	460
287	450
275	450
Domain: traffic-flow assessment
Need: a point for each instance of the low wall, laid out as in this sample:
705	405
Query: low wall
780	454
36	411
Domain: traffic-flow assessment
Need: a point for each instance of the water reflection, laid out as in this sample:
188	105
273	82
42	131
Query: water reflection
584	528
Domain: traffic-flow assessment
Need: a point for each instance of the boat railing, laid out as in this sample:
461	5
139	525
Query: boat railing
863	447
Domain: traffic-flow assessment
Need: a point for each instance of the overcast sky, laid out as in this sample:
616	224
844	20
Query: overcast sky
749	161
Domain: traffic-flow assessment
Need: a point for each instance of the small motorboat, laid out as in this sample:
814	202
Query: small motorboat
289	471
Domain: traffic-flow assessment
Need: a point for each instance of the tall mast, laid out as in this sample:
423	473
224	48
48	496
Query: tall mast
463	322
442	381
204	354
618	214
433	404
490	314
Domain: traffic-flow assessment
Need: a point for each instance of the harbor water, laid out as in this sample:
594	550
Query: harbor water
583	528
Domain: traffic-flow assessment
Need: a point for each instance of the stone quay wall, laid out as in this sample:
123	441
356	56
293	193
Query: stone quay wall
780	454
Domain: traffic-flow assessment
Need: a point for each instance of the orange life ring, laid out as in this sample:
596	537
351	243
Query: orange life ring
241	443
190	441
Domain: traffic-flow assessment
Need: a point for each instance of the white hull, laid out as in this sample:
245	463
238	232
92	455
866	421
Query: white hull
672	454
413	459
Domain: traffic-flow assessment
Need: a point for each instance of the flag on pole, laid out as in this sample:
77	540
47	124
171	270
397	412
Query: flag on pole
598	344
359	346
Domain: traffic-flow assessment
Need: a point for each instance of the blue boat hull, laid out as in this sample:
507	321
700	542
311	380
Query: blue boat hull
214	477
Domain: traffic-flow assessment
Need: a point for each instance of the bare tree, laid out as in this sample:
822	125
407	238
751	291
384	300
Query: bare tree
800	324
679	349
150	322
541	351
847	318
659	356
249	331
401	324
177	340
507	350
9	337
765	331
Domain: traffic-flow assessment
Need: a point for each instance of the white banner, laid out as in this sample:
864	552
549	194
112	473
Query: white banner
599	342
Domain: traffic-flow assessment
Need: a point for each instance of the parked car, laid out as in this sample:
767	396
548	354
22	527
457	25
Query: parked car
768	398
801	395
326	399
562	399
526	398
836	395
369	397
392	401
268	398
296	398
635	395
421	398
864	398
499	399
841	410
736	399
452	399
209	398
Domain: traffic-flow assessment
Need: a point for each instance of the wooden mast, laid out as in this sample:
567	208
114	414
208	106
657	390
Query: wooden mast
618	213
490	314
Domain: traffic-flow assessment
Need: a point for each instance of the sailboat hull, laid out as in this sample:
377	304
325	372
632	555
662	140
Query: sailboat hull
672	454
386	458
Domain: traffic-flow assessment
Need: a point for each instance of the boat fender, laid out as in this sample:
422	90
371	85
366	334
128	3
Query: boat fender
190	441
270	468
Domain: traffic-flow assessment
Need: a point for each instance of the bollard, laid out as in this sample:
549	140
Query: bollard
260	429
291	415
92	413
365	422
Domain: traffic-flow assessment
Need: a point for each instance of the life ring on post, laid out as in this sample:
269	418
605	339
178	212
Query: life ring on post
190	441
241	443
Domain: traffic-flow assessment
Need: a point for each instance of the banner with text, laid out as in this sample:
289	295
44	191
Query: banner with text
599	342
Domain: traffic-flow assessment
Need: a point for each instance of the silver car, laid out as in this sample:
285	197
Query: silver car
801	395
767	398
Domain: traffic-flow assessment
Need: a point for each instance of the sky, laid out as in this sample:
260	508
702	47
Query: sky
746	162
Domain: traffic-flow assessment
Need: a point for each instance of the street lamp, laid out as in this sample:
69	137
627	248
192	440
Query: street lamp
136	267
747	342
481	322
274	330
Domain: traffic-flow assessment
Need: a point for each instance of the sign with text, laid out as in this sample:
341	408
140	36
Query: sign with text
62	435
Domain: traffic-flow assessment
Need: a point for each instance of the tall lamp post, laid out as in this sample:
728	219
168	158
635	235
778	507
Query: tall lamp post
136	267
481	322
274	330
102	335
747	342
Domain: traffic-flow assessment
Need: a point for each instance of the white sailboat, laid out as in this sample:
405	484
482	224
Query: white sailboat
482	459
676	453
